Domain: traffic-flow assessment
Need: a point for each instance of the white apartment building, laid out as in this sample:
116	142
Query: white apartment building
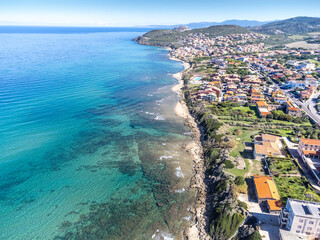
301	218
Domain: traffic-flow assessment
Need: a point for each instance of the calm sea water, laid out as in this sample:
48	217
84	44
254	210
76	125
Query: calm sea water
90	146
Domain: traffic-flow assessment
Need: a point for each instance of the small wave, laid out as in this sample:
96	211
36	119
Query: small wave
159	235
150	113
164	144
166	157
180	190
179	172
160	118
188	133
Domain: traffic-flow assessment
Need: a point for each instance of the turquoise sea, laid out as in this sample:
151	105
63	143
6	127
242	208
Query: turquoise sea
90	147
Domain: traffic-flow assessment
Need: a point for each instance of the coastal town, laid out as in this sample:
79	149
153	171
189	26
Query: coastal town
258	107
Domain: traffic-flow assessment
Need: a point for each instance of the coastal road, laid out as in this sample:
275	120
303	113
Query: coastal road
309	107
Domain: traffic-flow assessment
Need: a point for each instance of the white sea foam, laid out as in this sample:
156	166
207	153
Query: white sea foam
160	118
188	218
179	172
188	133
159	235
180	190
166	157
150	113
164	144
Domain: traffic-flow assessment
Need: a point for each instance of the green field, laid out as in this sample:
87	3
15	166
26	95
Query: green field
246	137
239	172
296	188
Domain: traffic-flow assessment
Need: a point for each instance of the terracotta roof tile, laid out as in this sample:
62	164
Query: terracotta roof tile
310	141
275	205
265	187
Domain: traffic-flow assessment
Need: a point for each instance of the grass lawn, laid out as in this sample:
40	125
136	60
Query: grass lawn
246	109
283	123
239	172
285	132
245	136
256	167
194	85
290	123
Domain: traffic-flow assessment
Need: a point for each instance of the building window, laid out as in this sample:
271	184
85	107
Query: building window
311	222
301	220
318	230
308	233
298	231
299	227
309	228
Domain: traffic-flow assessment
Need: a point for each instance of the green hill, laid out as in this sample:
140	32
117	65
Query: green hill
170	38
297	25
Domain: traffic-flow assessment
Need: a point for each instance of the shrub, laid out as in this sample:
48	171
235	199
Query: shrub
243	205
225	225
228	164
239	181
238	132
255	236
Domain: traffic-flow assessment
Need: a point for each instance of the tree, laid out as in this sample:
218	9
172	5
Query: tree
255	236
239	181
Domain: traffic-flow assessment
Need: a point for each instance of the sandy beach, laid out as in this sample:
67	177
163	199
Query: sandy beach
196	230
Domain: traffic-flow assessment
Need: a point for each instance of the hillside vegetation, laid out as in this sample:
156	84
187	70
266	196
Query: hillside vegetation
297	25
170	38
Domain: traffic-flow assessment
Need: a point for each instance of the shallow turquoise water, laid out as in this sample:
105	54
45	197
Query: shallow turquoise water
90	147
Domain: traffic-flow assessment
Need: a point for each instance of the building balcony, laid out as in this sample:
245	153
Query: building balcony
284	213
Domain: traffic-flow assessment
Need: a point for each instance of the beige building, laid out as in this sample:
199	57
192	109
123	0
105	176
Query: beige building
266	145
309	151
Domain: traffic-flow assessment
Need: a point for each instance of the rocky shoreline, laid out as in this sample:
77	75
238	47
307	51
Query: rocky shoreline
216	197
197	229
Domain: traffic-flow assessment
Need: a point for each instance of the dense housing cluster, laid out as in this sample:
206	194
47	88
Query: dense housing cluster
266	100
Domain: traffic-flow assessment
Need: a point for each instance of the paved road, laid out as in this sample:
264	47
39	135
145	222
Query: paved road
309	107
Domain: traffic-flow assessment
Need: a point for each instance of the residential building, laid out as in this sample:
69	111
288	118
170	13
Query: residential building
262	108
274	206
266	192
266	145
301	217
309	151
293	110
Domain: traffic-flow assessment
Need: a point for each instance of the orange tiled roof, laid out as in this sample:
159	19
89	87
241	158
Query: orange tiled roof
310	141
267	148
269	137
313	153
261	104
291	107
265	113
265	187
275	205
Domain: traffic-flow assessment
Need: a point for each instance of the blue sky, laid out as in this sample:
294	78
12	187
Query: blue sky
148	12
